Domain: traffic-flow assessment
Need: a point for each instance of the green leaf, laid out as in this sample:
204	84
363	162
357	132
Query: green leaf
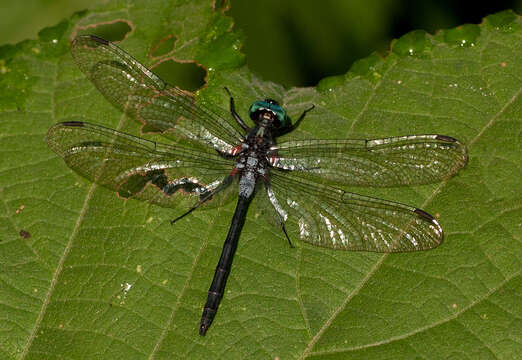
87	275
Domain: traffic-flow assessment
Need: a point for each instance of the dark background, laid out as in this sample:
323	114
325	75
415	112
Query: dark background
292	42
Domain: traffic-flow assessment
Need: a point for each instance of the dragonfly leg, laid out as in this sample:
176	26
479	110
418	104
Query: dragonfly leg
286	234
234	113
294	126
188	212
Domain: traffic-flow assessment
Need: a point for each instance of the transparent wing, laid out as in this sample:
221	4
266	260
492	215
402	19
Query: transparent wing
134	89
332	218
137	168
405	160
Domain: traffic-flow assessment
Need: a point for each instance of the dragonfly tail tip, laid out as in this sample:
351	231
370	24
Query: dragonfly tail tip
203	329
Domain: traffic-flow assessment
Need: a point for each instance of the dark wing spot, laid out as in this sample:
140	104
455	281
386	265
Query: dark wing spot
446	138
73	123
424	215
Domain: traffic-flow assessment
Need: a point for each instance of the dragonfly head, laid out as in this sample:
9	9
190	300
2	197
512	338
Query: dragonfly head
271	110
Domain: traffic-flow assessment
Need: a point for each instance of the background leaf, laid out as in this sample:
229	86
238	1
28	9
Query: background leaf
85	275
295	42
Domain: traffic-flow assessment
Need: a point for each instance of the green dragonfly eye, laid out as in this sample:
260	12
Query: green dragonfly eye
269	105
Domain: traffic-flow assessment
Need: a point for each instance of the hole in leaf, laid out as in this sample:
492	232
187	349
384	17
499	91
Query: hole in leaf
114	31
187	76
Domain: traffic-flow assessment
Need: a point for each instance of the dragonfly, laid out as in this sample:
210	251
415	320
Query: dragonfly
216	156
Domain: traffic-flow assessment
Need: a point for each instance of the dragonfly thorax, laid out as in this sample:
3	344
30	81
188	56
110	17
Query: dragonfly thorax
251	167
252	162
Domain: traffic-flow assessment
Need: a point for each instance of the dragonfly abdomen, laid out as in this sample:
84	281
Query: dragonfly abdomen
215	292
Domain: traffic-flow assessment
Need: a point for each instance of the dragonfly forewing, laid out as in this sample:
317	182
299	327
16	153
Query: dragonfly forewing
134	89
395	161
